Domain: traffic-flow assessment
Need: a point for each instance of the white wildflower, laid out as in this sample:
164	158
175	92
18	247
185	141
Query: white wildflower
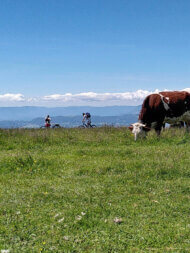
58	214
62	219
79	217
155	201
5	251
83	213
117	220
78	241
66	238
52	248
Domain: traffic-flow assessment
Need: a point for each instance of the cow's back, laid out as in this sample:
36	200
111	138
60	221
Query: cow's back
178	102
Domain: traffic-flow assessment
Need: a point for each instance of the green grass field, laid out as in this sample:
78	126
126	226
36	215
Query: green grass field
64	190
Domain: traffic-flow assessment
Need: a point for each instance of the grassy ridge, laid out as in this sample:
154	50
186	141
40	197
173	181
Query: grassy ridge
60	191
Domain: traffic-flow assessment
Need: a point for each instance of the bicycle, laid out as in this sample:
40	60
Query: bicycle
52	126
87	126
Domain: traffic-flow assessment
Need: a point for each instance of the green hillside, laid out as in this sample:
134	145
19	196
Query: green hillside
94	190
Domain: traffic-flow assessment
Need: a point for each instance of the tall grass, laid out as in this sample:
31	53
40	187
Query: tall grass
62	190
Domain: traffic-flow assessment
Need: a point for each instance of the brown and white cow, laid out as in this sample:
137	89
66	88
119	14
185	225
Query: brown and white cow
163	107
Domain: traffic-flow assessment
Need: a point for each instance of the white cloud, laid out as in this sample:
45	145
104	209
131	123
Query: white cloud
99	97
10	97
85	98
187	89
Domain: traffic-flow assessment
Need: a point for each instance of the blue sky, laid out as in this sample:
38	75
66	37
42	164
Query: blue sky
49	48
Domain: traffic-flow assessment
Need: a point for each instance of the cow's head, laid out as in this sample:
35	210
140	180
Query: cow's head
138	129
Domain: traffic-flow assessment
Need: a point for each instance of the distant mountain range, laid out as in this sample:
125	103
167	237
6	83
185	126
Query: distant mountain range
31	112
13	117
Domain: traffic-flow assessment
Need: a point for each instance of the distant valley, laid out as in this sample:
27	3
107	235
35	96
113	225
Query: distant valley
33	117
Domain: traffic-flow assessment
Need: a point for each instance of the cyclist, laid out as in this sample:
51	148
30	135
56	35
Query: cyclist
48	121
86	119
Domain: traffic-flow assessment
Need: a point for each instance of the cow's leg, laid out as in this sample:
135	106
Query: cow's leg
187	125
182	124
158	131
158	128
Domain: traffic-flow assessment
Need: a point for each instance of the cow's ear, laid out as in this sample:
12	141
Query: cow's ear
130	128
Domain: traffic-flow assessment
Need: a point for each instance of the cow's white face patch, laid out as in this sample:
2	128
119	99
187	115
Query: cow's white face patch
137	129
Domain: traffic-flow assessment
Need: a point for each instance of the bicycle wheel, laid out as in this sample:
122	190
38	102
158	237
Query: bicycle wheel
93	126
42	127
56	126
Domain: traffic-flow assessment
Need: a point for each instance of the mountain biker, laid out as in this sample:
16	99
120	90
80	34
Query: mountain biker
48	121
86	119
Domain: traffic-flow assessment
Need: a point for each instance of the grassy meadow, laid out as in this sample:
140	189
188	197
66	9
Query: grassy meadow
94	190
